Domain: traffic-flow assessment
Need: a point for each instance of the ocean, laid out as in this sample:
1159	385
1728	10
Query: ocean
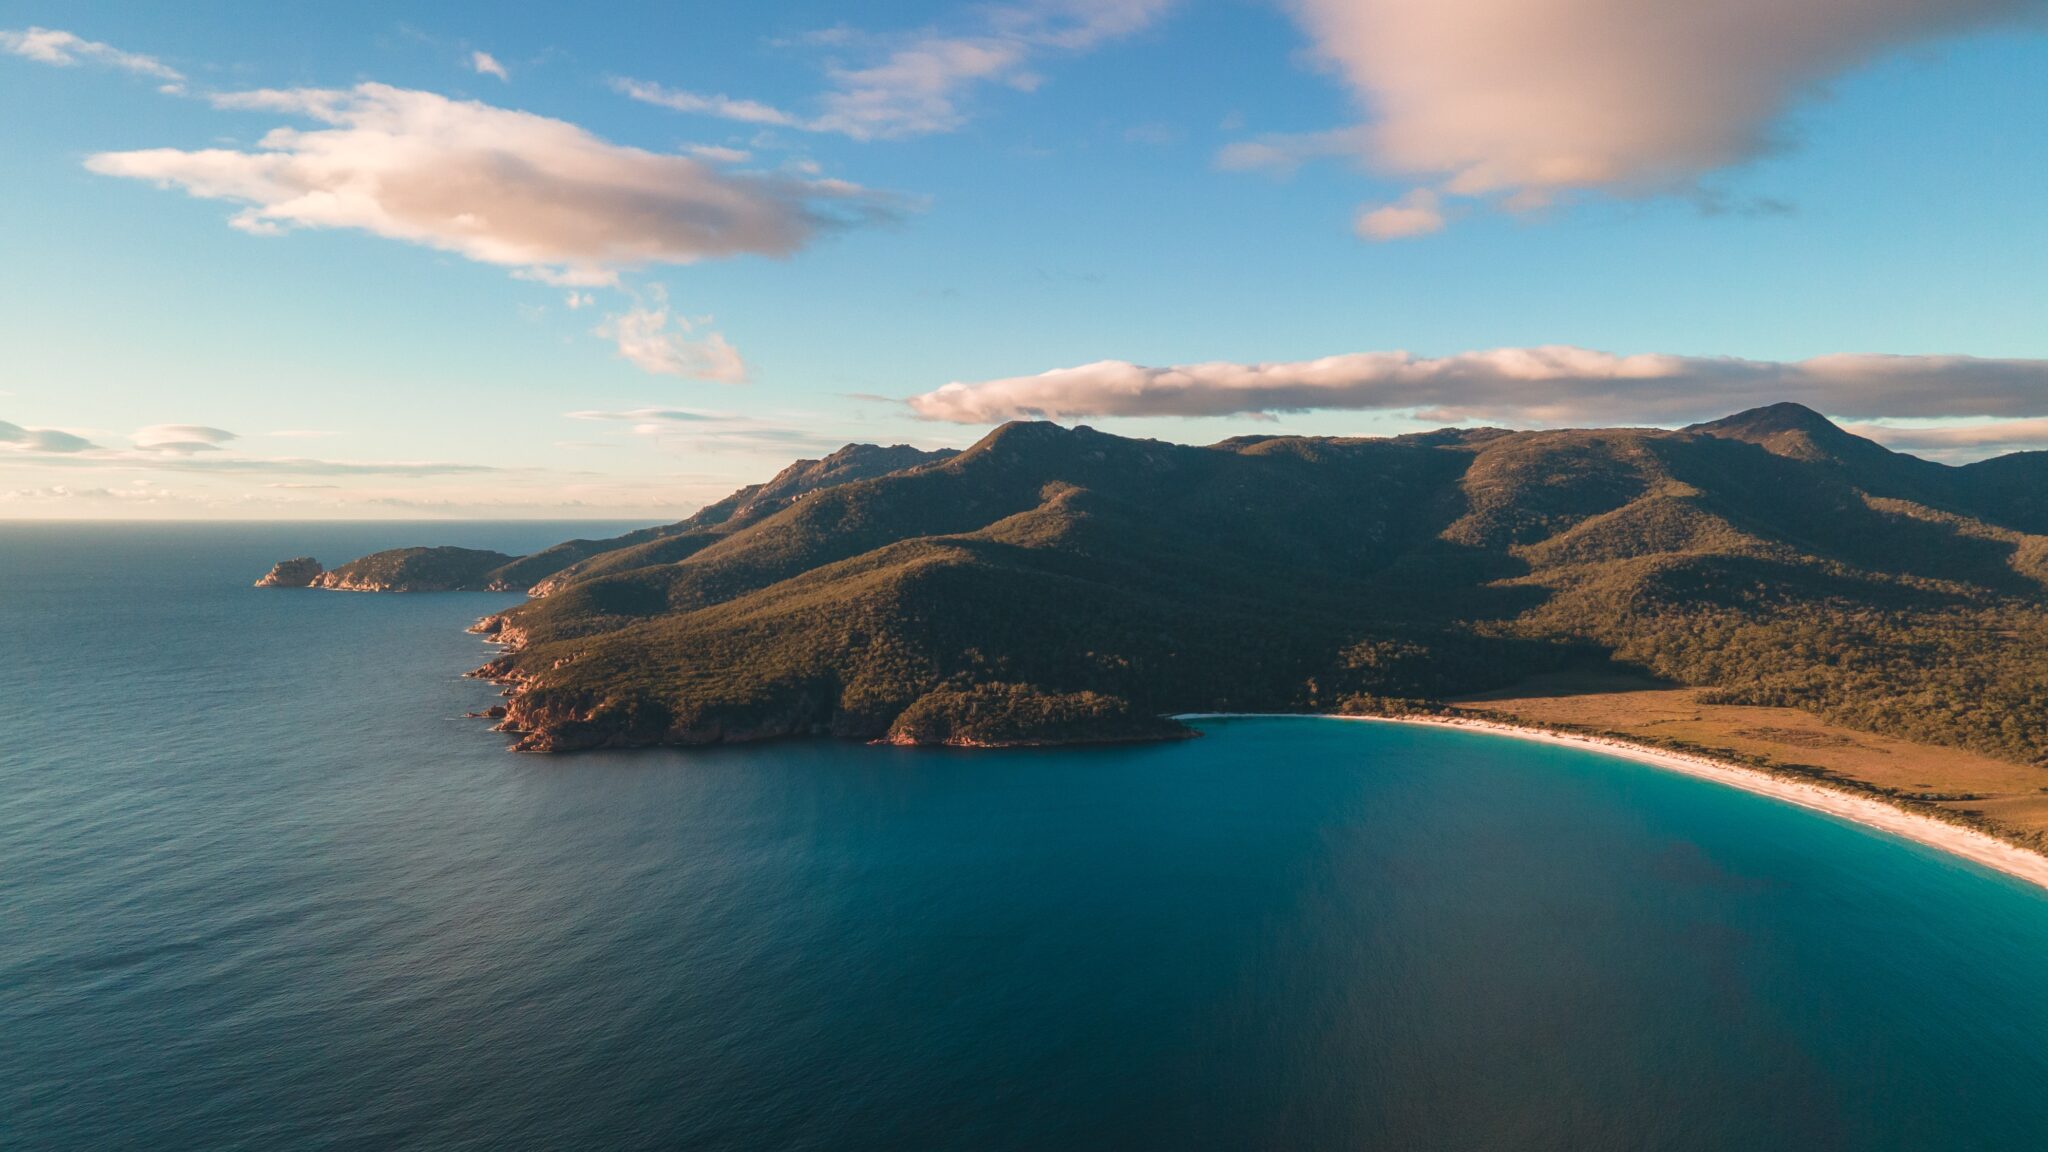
262	887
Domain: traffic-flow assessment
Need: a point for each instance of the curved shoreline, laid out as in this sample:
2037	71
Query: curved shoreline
1954	839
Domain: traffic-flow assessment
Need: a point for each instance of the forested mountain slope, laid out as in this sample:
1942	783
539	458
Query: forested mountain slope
1053	584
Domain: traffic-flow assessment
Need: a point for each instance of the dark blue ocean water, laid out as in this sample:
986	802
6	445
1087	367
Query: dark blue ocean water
260	887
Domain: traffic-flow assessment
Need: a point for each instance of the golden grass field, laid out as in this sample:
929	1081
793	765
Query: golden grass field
2010	800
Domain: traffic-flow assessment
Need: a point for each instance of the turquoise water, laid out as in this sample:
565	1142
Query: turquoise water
260	887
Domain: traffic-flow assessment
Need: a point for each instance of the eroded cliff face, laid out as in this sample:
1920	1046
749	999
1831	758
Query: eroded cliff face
541	717
299	572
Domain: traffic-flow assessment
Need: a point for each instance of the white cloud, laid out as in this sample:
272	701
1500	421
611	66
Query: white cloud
920	82
178	448
300	466
1547	385
181	439
1522	100
486	64
714	432
722	107
1419	213
918	89
14	437
719	154
494	185
52	46
577	301
647	420
139	493
654	341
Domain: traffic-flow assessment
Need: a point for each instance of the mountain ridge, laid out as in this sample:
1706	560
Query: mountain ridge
1053	584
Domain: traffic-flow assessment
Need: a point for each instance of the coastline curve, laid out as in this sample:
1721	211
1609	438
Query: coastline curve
1952	839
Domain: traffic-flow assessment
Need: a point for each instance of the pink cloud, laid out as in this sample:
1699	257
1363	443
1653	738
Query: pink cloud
1551	385
1417	214
494	185
1519	101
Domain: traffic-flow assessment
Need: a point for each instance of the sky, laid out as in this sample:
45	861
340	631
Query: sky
471	260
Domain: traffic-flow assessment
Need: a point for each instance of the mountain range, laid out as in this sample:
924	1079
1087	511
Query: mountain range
1053	585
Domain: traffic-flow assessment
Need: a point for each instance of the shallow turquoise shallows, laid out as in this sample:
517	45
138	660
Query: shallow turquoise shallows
261	887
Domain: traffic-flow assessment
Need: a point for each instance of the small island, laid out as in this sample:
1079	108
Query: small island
299	572
421	570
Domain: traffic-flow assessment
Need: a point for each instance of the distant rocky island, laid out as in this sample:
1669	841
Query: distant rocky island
299	572
400	570
1059	585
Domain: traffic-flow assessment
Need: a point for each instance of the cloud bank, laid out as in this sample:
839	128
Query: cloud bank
181	439
1543	386
1521	100
178	448
65	49
496	186
920	84
717	432
1961	439
15	438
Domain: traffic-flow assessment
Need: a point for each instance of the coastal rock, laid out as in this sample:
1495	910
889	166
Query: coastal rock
299	572
501	630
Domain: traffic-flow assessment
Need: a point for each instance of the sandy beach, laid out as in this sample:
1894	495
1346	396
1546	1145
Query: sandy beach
1954	839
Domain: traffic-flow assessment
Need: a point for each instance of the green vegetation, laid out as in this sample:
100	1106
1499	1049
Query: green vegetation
1063	584
471	570
416	570
1014	714
587	559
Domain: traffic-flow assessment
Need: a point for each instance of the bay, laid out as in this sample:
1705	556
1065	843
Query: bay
261	886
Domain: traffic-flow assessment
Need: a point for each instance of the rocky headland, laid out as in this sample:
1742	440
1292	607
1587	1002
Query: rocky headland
299	572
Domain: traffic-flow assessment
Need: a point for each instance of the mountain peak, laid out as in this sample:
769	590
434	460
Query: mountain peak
1770	420
1792	430
1024	431
848	464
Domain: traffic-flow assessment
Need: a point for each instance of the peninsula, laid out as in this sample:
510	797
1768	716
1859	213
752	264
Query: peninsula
1060	585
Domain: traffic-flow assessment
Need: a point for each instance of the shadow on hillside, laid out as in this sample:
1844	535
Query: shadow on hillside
1822	508
1606	678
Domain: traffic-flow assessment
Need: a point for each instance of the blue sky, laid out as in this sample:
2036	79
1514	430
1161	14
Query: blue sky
458	292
